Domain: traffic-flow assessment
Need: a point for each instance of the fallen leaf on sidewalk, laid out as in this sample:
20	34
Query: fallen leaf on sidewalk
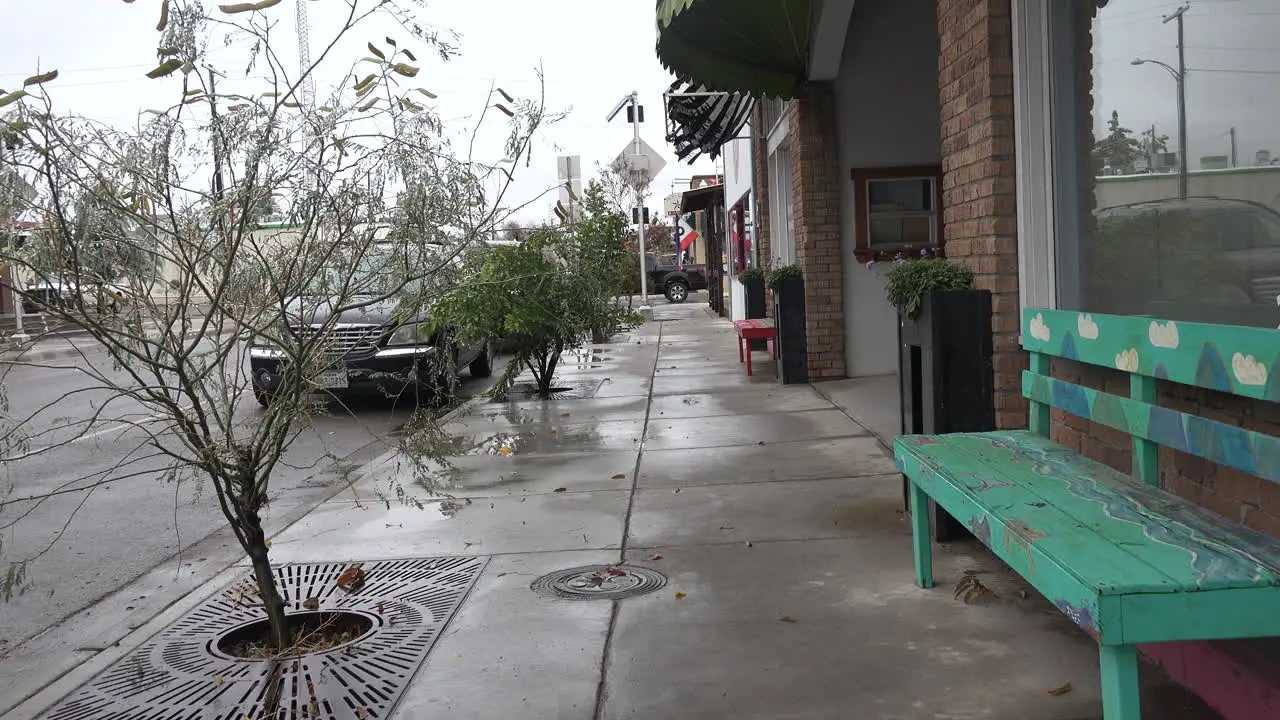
616	572
786	619
970	589
620	476
311	603
504	450
726	527
552	433
679	595
1061	690
655	557
760	443
748	544
565	414
560	490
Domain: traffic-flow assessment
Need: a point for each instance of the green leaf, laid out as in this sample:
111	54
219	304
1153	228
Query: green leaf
237	8
369	105
12	97
270	94
409	55
197	91
166	52
291	104
164	16
405	69
165	68
39	79
325	108
428	93
364	83
505	96
374	49
504	109
391	42
264	4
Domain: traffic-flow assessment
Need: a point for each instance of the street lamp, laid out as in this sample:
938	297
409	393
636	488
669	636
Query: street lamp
1180	76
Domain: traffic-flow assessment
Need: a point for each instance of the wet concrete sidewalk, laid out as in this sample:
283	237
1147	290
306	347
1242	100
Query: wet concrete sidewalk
777	521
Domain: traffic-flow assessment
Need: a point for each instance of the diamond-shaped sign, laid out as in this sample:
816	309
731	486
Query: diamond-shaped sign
645	166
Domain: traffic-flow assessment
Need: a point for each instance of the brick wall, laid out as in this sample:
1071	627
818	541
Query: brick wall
760	180
816	187
975	82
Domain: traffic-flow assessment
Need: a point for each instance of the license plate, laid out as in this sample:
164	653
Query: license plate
331	379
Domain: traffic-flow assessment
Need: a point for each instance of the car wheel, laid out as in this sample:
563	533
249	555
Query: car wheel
677	292
263	397
482	366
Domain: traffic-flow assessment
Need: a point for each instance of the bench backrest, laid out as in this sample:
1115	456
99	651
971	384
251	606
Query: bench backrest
1239	360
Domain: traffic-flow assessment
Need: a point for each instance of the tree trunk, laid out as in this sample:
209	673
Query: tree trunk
550	373
280	636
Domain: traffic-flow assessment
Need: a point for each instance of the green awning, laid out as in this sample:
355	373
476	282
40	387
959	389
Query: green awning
756	47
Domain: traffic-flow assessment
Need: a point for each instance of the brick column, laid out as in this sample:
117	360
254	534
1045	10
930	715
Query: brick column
760	179
975	82
815	187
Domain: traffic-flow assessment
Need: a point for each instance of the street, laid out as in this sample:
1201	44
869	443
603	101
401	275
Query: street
89	541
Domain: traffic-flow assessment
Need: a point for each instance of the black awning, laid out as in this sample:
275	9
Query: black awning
700	124
701	199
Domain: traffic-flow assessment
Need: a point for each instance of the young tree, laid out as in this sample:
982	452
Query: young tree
381	207
1119	149
601	263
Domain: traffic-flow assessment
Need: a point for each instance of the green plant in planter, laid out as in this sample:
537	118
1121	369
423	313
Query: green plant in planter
782	274
908	282
750	275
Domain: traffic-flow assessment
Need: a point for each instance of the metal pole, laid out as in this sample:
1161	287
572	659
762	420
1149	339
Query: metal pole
1234	162
644	268
1184	161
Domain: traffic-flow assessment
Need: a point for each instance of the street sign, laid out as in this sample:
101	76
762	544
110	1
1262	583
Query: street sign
646	165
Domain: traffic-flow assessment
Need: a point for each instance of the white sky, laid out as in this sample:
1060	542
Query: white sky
593	53
1233	57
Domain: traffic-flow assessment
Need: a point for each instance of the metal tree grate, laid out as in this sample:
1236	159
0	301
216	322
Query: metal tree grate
181	674
563	390
599	582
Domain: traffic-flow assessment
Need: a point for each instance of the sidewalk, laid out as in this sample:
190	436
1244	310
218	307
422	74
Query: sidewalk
777	520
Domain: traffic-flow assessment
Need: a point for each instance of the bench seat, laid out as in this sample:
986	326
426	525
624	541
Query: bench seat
1127	561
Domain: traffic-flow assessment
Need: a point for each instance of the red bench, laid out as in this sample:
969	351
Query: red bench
748	330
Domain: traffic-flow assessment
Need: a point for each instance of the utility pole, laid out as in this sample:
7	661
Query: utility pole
1181	76
1233	148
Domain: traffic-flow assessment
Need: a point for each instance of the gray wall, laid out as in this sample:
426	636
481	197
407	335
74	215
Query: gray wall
887	116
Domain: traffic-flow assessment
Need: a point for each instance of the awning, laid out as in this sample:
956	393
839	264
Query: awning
758	48
700	122
701	199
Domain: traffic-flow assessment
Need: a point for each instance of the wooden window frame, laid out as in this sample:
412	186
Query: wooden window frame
862	241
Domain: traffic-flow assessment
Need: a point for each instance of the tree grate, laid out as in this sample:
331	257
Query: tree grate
563	390
182	675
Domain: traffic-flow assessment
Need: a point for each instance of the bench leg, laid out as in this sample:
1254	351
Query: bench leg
1120	695
920	537
748	359
740	348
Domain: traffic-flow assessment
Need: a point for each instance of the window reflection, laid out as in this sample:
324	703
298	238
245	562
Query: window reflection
1148	228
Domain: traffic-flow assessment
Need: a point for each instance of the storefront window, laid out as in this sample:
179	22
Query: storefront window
1151	219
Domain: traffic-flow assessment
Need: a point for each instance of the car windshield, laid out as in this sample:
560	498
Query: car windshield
382	271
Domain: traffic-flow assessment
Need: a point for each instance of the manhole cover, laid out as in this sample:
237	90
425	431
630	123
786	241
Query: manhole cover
185	671
566	390
599	582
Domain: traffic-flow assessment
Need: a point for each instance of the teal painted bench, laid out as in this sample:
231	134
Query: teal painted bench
1127	561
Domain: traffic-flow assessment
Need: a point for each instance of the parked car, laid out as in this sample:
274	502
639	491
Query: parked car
673	280
377	348
1209	259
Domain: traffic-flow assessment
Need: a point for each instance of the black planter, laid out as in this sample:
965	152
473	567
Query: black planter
789	328
756	309
945	374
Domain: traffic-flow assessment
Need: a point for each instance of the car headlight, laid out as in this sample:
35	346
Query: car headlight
408	334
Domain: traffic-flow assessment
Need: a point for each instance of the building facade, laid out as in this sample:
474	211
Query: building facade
1006	135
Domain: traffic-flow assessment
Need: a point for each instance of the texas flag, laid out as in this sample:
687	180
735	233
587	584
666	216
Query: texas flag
685	234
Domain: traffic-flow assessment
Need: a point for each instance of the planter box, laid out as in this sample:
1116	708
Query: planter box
791	339
756	308
945	375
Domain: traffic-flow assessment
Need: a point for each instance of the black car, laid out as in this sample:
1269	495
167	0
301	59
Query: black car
370	347
673	280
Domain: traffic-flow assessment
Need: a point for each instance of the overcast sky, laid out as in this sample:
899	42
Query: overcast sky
593	53
1233	79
